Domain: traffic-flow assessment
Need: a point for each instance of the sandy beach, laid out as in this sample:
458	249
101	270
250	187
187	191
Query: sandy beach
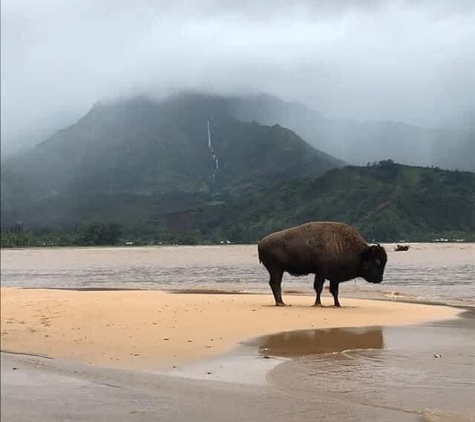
155	329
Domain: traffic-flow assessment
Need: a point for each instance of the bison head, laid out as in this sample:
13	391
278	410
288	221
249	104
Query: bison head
373	261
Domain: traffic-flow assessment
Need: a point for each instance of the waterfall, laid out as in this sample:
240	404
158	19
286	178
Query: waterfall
215	157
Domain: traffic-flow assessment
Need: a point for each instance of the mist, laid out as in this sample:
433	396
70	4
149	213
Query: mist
407	61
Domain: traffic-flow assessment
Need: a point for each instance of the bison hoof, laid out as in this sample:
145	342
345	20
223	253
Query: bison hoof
318	305
280	304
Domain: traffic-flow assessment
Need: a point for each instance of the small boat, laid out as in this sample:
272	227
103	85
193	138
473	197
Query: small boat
400	248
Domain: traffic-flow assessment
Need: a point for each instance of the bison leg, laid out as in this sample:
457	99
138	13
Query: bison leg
334	291
275	284
318	286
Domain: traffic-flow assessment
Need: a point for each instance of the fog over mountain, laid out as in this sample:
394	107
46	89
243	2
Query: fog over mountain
363	142
388	60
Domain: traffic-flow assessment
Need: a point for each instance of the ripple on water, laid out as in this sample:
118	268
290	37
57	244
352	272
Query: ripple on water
431	272
380	369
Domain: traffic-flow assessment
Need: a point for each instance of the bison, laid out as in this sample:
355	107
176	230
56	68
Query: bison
332	251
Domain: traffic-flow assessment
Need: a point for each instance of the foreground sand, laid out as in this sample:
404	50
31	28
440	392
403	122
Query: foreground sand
151	329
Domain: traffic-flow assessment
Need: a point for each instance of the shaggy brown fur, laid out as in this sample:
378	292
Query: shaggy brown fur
330	250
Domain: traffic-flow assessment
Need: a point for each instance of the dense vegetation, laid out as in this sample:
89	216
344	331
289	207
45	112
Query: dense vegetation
385	201
93	234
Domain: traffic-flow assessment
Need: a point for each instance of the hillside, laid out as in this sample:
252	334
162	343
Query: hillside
362	142
188	169
134	158
387	202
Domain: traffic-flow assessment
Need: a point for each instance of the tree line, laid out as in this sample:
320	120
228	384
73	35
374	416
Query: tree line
91	234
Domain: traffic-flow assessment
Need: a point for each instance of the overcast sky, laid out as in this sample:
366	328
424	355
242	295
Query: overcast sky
409	61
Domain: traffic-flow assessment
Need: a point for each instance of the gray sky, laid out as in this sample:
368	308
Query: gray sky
409	61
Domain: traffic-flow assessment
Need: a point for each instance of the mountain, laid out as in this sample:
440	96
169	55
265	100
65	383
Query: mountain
387	202
139	158
362	142
197	167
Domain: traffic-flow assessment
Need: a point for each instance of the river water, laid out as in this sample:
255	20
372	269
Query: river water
413	373
420	373
442	272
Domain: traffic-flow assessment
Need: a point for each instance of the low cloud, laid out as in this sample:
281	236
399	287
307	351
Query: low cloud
374	60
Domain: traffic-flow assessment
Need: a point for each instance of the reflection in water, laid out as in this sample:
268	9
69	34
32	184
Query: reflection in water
314	342
428	371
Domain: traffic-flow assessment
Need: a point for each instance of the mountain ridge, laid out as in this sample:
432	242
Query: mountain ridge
352	141
360	142
140	147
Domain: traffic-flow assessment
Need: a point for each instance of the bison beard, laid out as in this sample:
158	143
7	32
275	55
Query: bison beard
332	251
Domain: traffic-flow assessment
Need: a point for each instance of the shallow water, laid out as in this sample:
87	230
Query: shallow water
292	344
427	371
423	373
443	272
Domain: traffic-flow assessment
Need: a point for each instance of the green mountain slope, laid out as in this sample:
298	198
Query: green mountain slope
134	158
387	202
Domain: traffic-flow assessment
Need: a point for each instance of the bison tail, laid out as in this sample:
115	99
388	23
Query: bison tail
261	253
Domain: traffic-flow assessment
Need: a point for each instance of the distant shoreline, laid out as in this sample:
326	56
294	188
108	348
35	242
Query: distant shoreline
145	245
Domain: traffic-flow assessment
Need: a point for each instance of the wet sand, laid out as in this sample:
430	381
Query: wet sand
35	390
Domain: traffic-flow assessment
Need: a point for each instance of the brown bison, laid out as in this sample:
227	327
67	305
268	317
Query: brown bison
332	251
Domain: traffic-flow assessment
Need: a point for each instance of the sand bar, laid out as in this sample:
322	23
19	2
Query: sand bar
153	329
